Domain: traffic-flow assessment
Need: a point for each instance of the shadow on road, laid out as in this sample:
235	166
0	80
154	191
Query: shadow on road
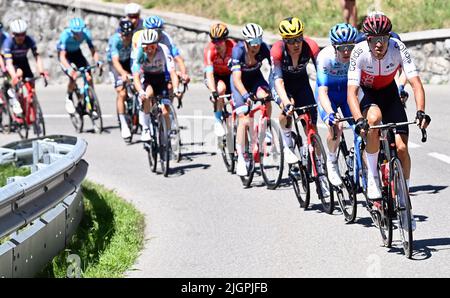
428	189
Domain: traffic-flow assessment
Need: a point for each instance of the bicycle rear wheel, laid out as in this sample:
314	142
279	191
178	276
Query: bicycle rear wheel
227	143
175	134
5	116
95	113
152	148
164	146
247	179
39	124
320	160
346	194
402	206
77	118
271	155
302	191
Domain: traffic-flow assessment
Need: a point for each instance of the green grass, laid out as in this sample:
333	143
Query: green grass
318	15
10	171
109	237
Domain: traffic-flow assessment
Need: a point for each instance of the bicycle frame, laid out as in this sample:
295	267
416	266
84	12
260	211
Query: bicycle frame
258	126
29	111
84	90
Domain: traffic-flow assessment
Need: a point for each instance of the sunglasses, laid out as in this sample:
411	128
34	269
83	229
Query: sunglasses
217	41
255	41
344	47
293	40
19	34
133	16
373	40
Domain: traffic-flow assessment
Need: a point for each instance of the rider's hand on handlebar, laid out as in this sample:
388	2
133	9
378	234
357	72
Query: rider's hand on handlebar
423	120
361	126
185	78
332	118
142	95
125	78
73	74
214	96
288	109
16	79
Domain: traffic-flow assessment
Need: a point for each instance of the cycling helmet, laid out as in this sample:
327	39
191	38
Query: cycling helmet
149	36
377	25
76	25
132	8
18	26
374	13
218	31
290	28
126	27
252	31
343	33
153	22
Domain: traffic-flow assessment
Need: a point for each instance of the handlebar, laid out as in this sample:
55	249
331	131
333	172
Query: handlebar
305	109
395	125
33	79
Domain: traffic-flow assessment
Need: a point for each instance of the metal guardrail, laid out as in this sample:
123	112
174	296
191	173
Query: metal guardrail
40	212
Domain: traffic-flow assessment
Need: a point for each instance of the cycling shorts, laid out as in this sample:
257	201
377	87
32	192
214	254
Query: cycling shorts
224	78
25	67
76	58
251	84
158	83
115	75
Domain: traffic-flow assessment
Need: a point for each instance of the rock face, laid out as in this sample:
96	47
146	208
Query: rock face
46	22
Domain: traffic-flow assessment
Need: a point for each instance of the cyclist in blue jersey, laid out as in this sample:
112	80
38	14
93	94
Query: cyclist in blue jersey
133	14
331	89
14	50
69	52
3	37
118	55
247	82
149	76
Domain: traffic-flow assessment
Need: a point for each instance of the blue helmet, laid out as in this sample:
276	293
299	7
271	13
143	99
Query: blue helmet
153	22
77	25
343	33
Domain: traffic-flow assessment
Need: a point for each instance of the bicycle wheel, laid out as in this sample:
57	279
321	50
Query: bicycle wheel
5	116
302	191
402	206
39	124
95	113
77	118
227	144
320	160
271	155
346	194
248	152
164	146
152	148
175	134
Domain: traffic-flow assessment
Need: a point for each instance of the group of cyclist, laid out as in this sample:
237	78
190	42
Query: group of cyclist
355	74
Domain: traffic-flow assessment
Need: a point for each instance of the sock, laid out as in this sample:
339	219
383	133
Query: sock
372	159
218	116
147	120
287	138
240	151
332	156
122	119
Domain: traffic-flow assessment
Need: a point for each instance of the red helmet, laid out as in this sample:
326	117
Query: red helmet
377	25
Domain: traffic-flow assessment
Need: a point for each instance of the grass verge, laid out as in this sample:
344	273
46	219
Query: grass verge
10	171
108	239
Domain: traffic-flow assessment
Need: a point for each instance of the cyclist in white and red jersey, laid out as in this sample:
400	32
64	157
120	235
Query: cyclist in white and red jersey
373	65
217	55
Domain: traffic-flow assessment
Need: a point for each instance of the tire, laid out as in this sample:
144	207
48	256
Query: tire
5	115
97	120
320	158
227	144
175	136
402	207
164	146
271	155
302	191
346	194
247	180
77	118
39	123
152	149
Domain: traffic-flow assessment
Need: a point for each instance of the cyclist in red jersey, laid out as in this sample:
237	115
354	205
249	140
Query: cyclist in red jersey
217	54
373	66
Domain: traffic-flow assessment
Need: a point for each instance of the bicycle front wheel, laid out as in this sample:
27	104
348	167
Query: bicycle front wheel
299	173
323	186
95	113
164	146
250	162
39	124
271	154
227	143
175	134
346	194
402	206
77	118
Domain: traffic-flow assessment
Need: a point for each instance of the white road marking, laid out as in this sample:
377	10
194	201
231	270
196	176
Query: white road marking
413	145
442	157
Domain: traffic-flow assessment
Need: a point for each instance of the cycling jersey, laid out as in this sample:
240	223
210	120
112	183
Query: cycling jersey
16	52
161	62
362	36
164	39
214	62
67	41
116	48
332	74
367	71
3	37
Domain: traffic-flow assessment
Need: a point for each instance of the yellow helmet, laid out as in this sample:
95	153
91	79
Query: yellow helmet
218	31
290	28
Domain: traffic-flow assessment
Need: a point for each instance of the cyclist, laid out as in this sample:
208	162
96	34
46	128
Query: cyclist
150	65
133	14
15	49
69	52
247	83
155	22
373	65
331	89
289	79
119	50
217	54
3	37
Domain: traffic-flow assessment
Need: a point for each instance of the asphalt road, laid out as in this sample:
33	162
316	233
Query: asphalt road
200	222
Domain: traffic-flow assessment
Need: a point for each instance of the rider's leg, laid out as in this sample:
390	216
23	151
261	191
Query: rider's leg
121	97
401	141
373	115
218	127
144	115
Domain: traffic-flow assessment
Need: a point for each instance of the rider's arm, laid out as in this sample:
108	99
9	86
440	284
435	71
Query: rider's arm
236	74
88	38
32	44
323	66
7	54
180	62
279	87
276	56
419	92
209	68
354	79
2	64
10	68
170	66
136	71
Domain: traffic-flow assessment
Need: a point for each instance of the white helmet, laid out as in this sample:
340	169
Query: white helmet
252	31
149	36
18	26
375	13
132	8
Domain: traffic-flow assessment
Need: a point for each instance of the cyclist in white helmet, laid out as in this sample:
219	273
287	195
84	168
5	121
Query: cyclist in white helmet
133	13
